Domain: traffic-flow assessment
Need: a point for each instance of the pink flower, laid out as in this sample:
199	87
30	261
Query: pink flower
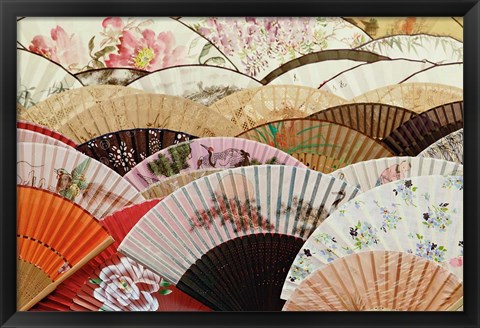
113	22
127	286
456	262
64	49
146	51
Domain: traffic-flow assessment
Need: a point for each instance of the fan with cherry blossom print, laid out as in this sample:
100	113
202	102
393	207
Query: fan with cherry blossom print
419	215
122	150
370	174
378	281
77	177
55	238
57	109
205	153
152	111
227	239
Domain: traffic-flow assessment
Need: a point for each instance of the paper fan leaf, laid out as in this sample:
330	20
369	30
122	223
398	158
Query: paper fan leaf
337	145
122	150
312	69
98	42
75	176
413	136
252	107
147	111
356	81
164	188
49	79
38	129
214	216
370	174
24	135
435	49
378	281
199	83
110	76
449	148
205	153
57	109
417	97
55	238
251	39
447	74
374	120
419	215
382	27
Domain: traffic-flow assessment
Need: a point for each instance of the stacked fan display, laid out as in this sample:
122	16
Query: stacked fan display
240	164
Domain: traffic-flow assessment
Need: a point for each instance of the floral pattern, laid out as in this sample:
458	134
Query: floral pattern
364	235
406	191
437	217
453	182
428	249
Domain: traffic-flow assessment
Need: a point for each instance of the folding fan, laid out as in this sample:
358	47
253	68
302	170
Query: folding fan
252	107
122	150
358	80
418	215
413	136
337	145
372	119
55	237
382	27
164	188
56	110
205	153
20	109
447	74
38	78
417	97
378	281
147	111
77	177
312	69
200	83
36	137
370	174
259	45
110	76
144	43
227	239
449	148
435	49
44	131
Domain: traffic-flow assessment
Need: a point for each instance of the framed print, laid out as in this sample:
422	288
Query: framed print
222	163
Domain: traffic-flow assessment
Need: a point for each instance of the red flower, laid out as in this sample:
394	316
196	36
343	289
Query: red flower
146	51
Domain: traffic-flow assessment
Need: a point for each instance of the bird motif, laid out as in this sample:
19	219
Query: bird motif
69	185
230	157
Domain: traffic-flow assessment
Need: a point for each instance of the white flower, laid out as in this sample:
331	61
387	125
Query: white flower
127	286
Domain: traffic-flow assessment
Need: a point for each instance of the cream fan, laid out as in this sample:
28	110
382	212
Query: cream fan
378	281
417	97
447	74
419	215
56	110
147	111
252	107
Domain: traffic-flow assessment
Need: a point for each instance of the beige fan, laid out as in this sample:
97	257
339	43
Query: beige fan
321	145
147	111
372	119
378	281
417	97
56	110
166	187
252	107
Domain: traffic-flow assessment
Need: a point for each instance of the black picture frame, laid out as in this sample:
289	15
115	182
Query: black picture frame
10	9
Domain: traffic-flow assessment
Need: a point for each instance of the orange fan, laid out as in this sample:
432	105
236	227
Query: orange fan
372	119
55	238
378	281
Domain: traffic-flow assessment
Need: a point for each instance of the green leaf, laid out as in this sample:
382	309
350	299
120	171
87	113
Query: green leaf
444	209
104	51
91	44
414	188
164	283
215	61
419	236
205	50
441	248
193	44
96	281
165	292
425	223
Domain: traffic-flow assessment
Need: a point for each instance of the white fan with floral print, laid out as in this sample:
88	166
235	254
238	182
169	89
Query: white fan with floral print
373	173
419	215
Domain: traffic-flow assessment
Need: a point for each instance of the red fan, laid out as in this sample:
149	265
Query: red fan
45	131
